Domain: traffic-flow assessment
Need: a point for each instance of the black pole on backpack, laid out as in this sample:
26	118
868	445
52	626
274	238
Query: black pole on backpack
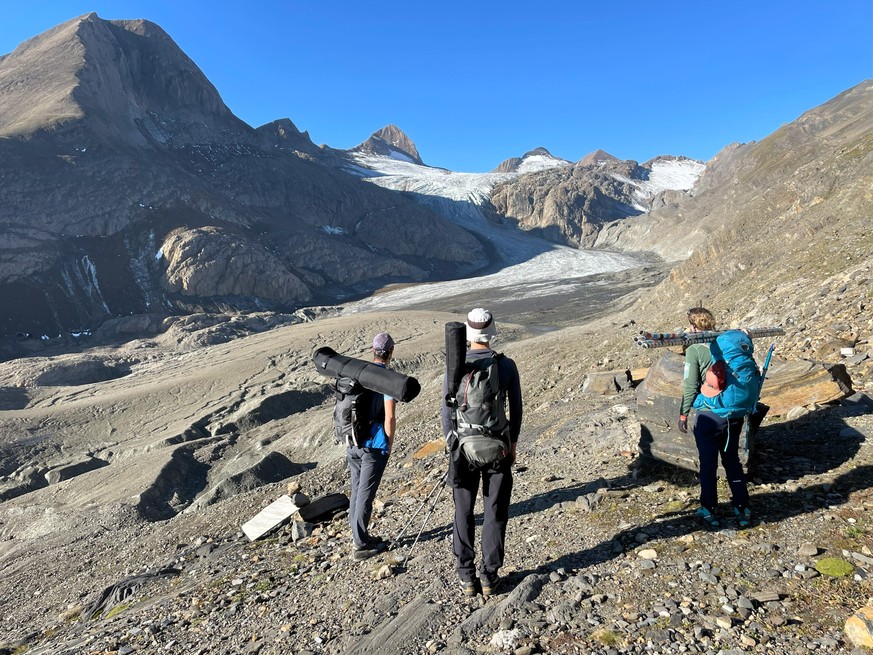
456	355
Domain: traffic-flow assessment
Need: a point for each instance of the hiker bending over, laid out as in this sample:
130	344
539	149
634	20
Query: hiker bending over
482	442
367	462
714	435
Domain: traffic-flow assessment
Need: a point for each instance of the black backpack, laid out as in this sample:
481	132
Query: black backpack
355	412
480	413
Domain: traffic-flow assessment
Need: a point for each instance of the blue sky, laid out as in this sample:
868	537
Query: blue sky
475	82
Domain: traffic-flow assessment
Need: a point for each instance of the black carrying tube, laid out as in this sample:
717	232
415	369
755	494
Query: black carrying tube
456	355
382	380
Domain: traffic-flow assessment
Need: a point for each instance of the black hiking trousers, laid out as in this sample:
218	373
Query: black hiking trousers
496	493
717	436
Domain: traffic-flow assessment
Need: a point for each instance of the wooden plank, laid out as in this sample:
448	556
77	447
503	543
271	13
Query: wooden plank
271	517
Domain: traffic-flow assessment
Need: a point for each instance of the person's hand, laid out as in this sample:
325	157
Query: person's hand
683	424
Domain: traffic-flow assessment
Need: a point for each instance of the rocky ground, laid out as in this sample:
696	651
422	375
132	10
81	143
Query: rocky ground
603	552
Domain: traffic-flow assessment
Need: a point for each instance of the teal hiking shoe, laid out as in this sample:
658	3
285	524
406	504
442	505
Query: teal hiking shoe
744	516
708	517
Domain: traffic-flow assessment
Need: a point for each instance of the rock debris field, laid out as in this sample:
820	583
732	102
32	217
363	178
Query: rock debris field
604	554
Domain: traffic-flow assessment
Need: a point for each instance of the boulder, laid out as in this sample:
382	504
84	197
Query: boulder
859	627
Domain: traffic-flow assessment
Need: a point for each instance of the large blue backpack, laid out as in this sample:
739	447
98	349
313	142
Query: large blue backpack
733	359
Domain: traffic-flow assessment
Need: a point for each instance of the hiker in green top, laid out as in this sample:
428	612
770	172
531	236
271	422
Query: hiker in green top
714	435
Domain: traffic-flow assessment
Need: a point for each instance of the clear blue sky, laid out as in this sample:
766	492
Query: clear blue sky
475	82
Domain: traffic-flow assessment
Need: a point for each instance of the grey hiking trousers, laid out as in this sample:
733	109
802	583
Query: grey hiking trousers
366	466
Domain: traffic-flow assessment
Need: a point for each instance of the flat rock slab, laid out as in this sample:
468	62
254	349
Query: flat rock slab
72	469
270	518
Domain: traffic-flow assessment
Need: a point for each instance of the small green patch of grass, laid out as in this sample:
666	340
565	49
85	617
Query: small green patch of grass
263	585
834	567
115	611
675	506
606	637
855	532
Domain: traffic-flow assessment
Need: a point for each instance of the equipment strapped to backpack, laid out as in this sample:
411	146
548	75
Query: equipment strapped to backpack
480	412
355	412
731	385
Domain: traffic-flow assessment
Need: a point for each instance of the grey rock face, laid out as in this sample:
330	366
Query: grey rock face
128	187
569	204
389	141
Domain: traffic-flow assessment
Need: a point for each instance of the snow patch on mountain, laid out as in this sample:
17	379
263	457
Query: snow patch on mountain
677	174
537	163
458	196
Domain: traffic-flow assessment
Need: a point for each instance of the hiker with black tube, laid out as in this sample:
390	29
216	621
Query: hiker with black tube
367	460
481	440
720	411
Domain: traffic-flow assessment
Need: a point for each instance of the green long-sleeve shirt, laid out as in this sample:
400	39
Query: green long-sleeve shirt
697	360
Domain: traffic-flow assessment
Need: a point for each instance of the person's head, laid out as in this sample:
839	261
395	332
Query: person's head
383	347
481	328
701	319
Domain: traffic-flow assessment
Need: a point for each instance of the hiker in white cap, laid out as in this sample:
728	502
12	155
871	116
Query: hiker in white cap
482	440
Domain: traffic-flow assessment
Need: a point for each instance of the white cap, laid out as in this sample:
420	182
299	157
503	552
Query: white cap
480	326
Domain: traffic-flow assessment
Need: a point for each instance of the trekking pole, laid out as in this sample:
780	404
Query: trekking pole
760	387
442	481
427	516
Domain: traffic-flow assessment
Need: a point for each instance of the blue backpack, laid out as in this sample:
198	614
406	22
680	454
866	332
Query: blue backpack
733	381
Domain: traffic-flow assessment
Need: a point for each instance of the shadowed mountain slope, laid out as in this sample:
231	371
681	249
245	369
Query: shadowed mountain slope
127	186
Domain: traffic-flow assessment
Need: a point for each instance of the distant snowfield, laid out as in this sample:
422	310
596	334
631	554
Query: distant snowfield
536	163
679	174
437	186
532	267
555	271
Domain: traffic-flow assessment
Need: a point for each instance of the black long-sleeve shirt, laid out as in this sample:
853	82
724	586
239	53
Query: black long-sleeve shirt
509	380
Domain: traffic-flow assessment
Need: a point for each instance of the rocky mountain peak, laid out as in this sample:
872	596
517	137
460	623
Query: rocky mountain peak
539	150
121	78
597	157
390	141
283	133
533	160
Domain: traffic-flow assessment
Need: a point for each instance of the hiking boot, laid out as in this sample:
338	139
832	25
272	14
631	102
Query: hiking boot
468	588
708	517
489	586
378	543
744	517
360	554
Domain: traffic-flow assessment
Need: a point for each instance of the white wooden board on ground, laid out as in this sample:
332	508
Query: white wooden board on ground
270	518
